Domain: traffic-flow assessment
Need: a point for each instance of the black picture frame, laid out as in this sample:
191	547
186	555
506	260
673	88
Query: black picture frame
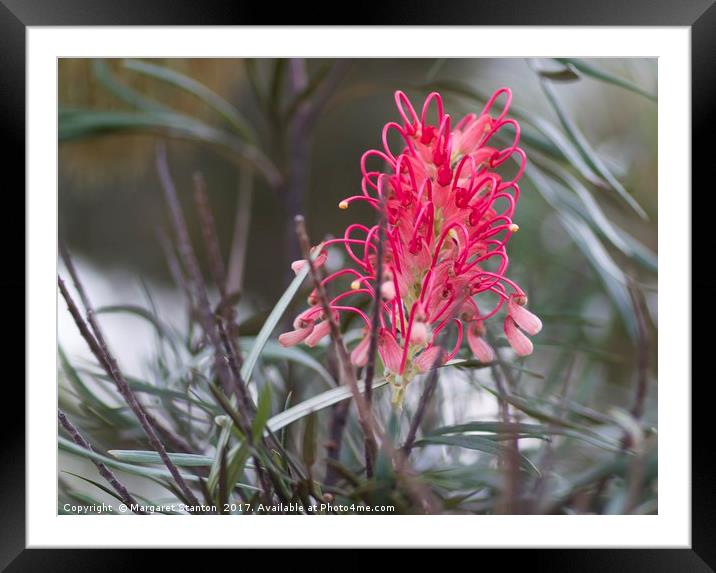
16	15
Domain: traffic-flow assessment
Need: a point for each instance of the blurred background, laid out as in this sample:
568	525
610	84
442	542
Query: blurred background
290	141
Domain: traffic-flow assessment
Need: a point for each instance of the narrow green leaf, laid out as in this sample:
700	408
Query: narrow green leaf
151	457
477	443
167	393
314	404
79	123
213	100
528	431
274	351
612	277
476	364
600	74
273	319
148	472
76	381
122	91
98	485
588	209
310	438
584	147
162	330
263	411
566	74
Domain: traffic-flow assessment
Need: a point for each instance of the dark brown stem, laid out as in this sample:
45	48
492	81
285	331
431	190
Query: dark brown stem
298	139
345	369
186	253
209	234
105	358
233	360
510	462
229	379
339	417
427	394
168	435
175	268
104	471
374	324
637	409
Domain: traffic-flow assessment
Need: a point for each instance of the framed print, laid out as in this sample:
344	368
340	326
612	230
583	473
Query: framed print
383	285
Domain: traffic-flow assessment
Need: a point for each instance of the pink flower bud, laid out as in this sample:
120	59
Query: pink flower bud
295	336
297	266
517	339
427	358
390	351
321	330
526	320
387	290
359	356
479	346
419	333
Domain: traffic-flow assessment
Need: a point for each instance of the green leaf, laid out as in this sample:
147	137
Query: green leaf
162	330
566	74
478	443
235	467
147	388
79	123
247	369
76	381
71	447
476	364
122	91
273	319
310	438
263	411
538	412
586	149
566	148
274	351
316	403
528	431
227	111
151	457
602	75
98	485
588	209
612	277
384	455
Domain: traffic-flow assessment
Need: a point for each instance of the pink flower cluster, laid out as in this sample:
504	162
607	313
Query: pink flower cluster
448	220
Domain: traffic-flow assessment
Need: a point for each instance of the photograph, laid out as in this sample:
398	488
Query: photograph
357	286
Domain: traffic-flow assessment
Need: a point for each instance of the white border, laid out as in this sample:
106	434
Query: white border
670	528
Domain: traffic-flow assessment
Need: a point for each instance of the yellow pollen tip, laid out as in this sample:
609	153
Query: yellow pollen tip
514	228
453	234
355	285
343	205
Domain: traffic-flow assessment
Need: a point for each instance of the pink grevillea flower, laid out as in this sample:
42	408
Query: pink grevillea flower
449	215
